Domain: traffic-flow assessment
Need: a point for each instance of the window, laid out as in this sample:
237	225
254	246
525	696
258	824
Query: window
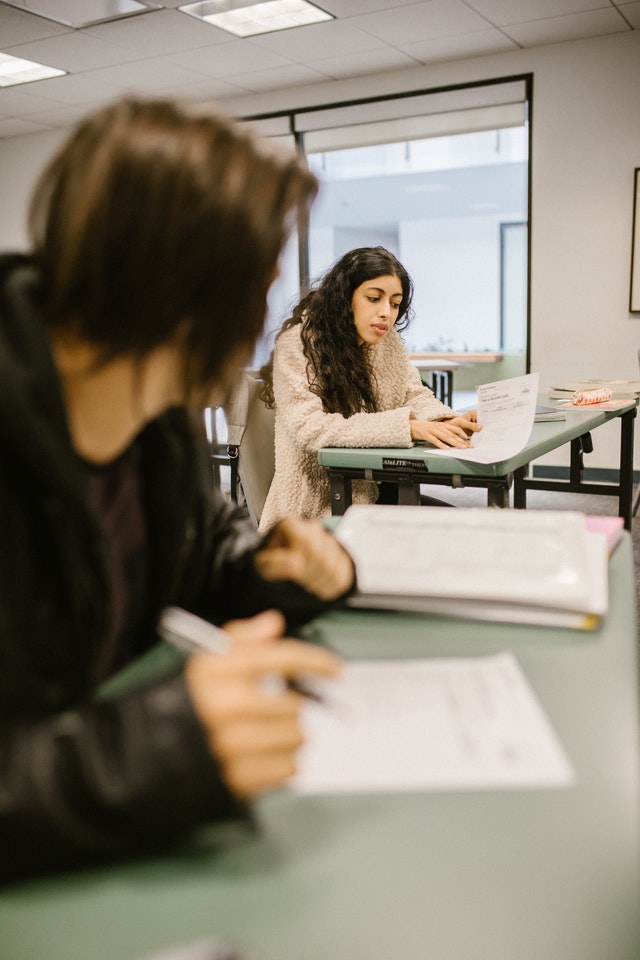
441	179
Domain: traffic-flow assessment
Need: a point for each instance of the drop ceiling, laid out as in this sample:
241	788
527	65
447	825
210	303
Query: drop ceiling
166	52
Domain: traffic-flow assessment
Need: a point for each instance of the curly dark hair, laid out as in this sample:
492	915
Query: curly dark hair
337	368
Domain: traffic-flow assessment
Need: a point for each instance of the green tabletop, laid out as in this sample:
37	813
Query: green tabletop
544	438
486	875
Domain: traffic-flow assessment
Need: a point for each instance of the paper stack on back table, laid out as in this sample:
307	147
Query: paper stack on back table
541	567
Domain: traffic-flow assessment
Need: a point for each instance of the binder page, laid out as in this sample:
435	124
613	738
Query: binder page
506	410
429	725
541	557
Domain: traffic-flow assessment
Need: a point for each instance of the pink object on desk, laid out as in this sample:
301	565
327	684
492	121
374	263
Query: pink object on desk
611	527
583	398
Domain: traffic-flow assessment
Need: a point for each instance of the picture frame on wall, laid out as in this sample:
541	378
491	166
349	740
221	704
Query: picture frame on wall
634	294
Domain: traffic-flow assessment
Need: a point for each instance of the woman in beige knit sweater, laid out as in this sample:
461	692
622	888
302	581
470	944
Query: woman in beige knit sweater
340	377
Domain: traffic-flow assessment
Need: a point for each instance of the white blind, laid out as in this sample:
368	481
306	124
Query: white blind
275	129
465	110
416	128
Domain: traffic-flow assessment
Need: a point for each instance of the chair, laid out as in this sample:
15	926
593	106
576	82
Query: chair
250	444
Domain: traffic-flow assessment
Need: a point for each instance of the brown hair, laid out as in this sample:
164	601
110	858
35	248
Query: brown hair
157	218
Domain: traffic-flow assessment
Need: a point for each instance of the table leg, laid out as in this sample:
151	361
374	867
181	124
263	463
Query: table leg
408	492
498	492
340	487
625	505
520	488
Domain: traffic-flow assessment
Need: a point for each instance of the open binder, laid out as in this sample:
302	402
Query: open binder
516	566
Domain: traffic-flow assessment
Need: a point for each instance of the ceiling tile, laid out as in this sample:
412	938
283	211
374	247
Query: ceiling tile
19	100
72	89
352	8
475	44
435	18
292	76
16	127
155	73
572	27
631	11
330	38
19	27
209	88
223	59
503	12
73	52
63	116
158	32
364	62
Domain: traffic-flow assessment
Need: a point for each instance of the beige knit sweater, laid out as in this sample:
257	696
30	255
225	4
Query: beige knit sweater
300	485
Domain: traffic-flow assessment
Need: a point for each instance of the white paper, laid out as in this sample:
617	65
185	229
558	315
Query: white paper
506	410
429	725
543	557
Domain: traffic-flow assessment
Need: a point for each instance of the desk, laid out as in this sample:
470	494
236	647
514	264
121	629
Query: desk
416	465
505	875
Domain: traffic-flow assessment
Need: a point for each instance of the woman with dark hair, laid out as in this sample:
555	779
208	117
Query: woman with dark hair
134	310
340	376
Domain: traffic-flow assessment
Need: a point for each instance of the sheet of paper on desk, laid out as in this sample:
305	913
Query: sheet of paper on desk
429	725
506	410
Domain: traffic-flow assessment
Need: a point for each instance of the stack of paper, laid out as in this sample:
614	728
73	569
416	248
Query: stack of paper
540	567
620	389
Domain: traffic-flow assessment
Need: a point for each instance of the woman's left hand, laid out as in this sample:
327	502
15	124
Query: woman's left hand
306	553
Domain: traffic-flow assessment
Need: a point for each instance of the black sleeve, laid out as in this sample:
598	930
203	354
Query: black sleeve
230	587
214	573
117	779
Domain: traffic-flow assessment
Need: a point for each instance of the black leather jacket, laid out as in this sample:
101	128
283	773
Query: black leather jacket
82	778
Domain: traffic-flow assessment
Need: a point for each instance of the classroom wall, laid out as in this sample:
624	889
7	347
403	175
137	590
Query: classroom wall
586	116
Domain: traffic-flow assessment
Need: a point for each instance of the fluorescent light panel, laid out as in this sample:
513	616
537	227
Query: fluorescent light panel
248	19
15	70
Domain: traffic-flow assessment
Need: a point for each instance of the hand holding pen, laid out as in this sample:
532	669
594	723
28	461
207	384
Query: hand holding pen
253	727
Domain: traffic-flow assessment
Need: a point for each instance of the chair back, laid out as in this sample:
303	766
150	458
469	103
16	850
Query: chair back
250	444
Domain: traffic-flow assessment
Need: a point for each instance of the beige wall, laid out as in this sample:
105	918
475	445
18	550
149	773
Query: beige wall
586	121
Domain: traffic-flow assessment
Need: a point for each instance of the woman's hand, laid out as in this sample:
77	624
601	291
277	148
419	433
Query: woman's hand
455	432
251	718
468	421
306	553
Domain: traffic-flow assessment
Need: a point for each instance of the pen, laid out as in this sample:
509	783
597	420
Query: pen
191	634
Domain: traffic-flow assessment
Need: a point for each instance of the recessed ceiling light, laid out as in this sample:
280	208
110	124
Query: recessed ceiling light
246	18
14	70
82	13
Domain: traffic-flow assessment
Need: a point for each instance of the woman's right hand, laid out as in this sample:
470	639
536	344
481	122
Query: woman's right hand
253	724
445	433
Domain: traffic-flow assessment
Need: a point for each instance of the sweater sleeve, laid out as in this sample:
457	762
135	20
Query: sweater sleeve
301	414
